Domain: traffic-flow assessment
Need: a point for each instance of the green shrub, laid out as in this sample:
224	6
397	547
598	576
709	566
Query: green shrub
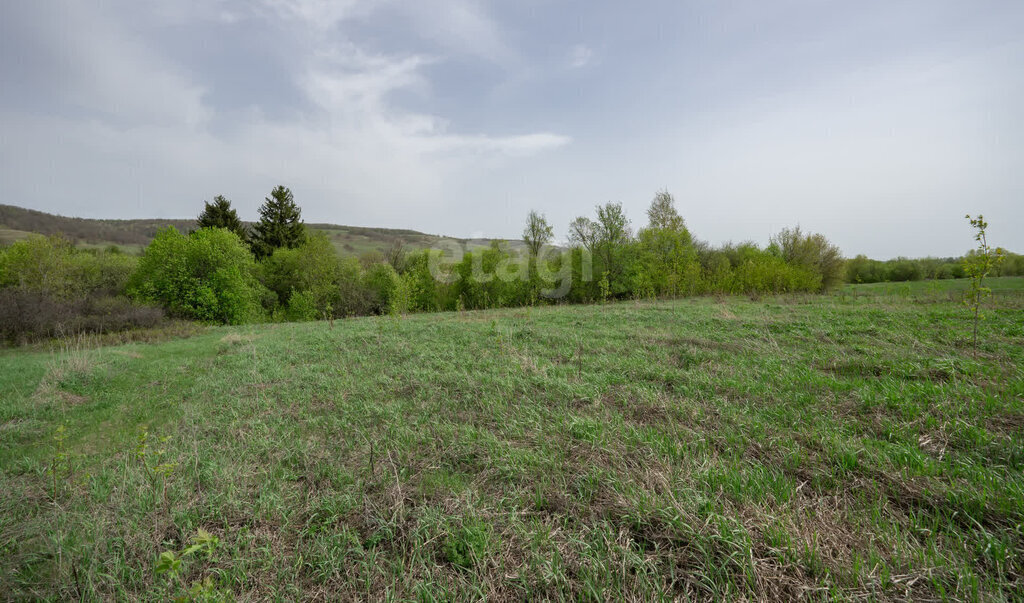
903	269
53	266
812	252
667	261
491	278
716	270
315	270
583	288
426	294
386	290
769	273
302	307
208	275
107	271
468	544
42	264
861	269
1012	265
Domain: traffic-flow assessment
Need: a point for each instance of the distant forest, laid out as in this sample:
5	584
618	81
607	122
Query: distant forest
61	276
16	223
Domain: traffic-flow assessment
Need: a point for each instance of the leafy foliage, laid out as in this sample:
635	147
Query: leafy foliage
387	290
537	233
315	270
812	252
977	266
48	288
302	277
667	259
53	266
209	275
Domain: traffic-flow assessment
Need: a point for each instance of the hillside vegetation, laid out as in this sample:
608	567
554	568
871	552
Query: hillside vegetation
838	446
17	223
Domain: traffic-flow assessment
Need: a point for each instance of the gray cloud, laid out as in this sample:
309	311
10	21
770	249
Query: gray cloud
877	124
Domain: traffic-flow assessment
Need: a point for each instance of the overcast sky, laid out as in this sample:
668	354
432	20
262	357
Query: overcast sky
879	124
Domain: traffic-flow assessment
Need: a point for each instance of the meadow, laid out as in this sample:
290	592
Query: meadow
847	445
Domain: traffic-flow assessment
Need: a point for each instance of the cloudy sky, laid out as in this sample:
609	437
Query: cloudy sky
879	124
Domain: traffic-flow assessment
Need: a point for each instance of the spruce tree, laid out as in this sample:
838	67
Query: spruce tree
280	224
220	214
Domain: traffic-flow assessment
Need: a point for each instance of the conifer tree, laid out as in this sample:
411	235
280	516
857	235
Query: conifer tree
220	214
280	224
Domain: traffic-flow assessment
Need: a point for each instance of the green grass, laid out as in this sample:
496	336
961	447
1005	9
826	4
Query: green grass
842	446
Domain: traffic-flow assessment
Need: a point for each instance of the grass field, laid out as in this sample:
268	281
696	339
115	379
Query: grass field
842	446
9	236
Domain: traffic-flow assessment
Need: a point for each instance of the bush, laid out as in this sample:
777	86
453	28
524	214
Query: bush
27	315
105	271
863	270
769	273
42	264
1012	265
902	269
386	290
53	266
811	252
491	278
208	275
667	261
329	284
302	306
426	294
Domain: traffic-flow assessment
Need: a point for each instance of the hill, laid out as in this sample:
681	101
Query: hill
132	235
705	449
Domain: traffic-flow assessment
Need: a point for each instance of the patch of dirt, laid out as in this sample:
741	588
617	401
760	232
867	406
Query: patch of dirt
1006	423
856	368
70	398
639	412
707	344
128	353
12	424
236	338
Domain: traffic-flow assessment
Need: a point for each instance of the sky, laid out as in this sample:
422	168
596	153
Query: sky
879	124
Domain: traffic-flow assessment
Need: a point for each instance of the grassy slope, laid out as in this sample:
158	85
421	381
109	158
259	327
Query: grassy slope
133	235
787	447
9	235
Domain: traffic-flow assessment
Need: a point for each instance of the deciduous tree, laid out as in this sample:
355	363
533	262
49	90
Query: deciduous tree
537	233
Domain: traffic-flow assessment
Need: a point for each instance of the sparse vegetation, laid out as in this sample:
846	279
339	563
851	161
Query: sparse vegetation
977	266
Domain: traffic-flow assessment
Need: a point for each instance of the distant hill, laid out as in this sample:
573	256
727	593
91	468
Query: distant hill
132	235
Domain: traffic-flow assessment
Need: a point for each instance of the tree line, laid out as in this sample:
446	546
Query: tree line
278	270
